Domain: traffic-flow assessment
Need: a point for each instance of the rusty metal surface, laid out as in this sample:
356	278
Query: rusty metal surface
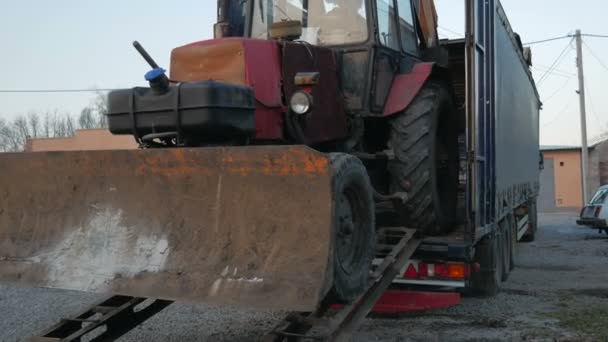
224	61
235	226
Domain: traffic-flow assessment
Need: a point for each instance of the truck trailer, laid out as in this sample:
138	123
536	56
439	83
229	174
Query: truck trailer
314	155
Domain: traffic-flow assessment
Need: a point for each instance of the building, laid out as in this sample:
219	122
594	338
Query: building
561	181
83	140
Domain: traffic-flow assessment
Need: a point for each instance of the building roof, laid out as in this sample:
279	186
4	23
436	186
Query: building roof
592	145
560	148
83	140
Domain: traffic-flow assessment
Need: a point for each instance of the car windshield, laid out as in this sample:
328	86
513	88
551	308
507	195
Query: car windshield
600	197
324	22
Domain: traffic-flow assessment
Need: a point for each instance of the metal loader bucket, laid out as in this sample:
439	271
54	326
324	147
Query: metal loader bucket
246	226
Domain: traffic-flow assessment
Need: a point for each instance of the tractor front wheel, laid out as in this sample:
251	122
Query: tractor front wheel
354	227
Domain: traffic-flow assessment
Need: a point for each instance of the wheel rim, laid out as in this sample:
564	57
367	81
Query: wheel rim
348	244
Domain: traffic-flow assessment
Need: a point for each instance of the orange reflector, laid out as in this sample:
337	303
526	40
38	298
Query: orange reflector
457	271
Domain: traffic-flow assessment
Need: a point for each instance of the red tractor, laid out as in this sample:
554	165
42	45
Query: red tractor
360	80
223	198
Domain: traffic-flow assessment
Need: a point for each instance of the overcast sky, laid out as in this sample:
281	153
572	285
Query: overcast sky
66	44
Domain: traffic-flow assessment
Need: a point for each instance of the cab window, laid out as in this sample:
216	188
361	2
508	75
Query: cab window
387	30
409	40
324	22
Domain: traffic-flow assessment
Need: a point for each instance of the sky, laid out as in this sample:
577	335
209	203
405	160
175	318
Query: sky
75	44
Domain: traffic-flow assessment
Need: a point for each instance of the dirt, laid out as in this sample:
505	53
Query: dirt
559	292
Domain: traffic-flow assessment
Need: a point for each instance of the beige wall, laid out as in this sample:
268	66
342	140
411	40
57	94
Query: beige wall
84	140
567	178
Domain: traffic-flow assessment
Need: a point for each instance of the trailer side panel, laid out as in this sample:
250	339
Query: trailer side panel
517	121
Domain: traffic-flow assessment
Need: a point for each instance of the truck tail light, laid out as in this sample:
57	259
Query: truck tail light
445	271
423	270
598	210
457	271
411	272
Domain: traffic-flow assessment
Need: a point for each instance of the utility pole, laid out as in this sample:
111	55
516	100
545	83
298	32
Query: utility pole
581	93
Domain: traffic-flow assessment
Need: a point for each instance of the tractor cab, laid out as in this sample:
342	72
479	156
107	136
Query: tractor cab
374	40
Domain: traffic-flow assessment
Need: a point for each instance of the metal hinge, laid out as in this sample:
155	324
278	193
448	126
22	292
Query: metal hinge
471	157
469	40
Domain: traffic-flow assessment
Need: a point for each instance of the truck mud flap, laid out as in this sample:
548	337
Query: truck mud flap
246	226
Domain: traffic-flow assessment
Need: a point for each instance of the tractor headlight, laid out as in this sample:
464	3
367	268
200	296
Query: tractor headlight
300	103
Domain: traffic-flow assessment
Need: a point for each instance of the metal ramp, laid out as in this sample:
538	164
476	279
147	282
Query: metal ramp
105	321
116	316
396	246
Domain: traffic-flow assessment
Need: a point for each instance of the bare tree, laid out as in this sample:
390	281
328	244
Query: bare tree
47	129
100	108
52	124
86	119
5	136
34	124
70	128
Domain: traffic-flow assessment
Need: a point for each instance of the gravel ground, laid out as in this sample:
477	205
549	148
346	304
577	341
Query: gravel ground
559	292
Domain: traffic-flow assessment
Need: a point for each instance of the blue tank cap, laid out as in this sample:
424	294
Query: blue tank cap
154	74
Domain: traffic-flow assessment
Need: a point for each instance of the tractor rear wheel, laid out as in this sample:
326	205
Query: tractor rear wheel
354	227
424	139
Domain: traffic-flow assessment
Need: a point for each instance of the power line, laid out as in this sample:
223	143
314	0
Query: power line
559	115
13	91
594	55
558	90
548	40
595	35
564	37
555	63
543	68
593	106
451	31
555	72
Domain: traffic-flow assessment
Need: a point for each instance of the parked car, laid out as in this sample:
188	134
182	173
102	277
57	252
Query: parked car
595	214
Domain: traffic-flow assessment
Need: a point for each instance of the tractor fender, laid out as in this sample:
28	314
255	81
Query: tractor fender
405	88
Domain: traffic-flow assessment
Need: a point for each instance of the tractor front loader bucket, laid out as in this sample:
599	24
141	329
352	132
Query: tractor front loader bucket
247	226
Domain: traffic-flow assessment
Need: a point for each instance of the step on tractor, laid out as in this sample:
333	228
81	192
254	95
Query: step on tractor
272	160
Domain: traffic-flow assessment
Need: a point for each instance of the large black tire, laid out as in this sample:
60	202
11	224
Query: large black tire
530	236
354	227
486	281
424	139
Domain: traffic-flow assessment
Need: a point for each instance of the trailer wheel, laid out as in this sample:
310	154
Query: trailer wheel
354	227
486	281
530	236
424	139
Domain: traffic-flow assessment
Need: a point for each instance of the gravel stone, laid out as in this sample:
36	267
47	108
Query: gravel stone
565	269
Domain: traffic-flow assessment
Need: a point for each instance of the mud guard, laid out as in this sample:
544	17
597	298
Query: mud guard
246	226
405	88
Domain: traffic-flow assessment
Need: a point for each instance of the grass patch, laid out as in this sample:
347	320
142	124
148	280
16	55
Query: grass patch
591	320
